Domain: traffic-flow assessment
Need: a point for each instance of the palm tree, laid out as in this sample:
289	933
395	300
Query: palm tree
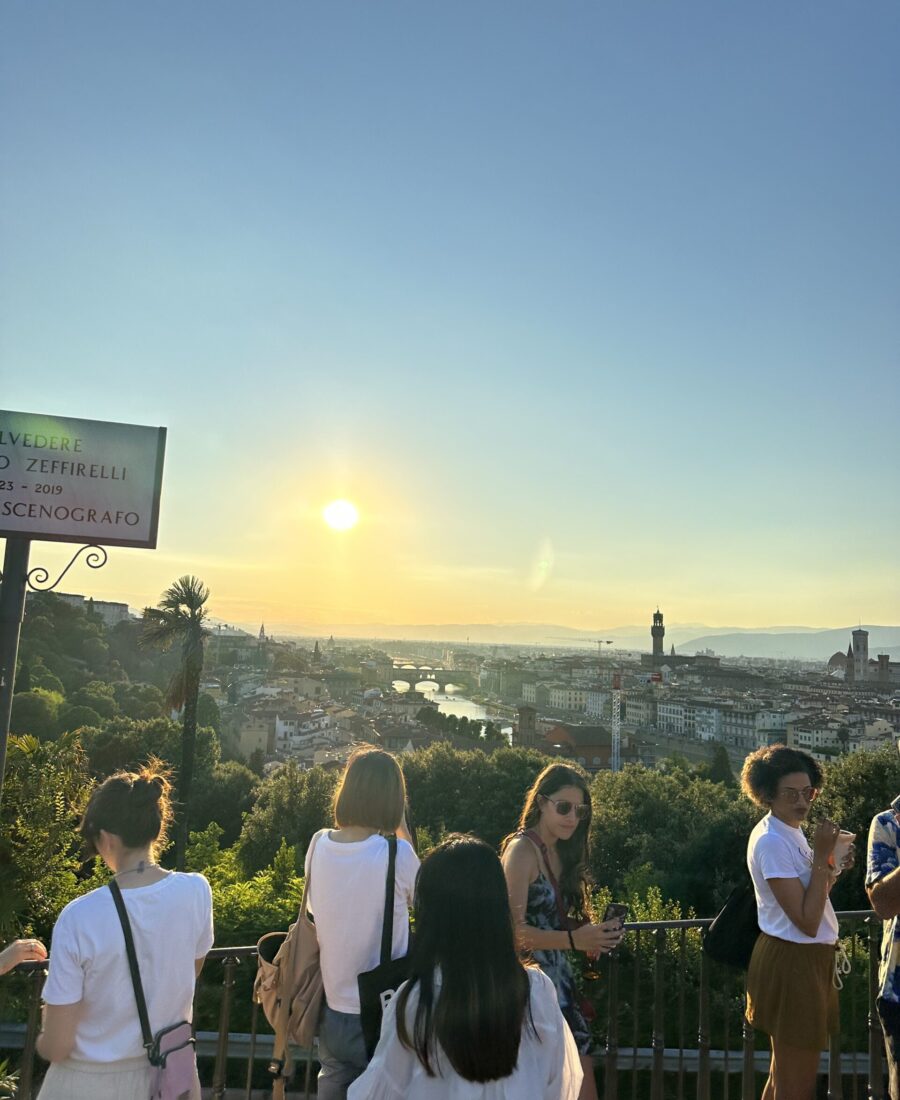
179	618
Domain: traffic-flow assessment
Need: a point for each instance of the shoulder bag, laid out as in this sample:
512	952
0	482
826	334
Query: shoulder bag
171	1050
376	987
289	987
731	937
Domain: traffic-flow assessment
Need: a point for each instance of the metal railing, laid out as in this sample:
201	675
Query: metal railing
669	1023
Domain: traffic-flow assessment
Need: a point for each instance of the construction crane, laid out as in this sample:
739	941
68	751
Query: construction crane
615	759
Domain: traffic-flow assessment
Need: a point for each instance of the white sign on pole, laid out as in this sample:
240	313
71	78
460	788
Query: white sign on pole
68	480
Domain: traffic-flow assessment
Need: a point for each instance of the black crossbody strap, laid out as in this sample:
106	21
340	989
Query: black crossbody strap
387	925
132	964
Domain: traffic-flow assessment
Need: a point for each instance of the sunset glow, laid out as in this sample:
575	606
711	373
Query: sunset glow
340	515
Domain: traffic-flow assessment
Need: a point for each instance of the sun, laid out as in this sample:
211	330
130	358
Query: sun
340	515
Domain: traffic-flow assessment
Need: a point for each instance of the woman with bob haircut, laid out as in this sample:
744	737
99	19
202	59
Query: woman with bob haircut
348	868
471	1021
91	1030
546	862
791	993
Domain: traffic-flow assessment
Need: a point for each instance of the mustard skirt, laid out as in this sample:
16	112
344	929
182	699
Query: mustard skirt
790	992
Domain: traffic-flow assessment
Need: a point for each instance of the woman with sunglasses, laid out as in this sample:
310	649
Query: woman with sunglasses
791	993
545	863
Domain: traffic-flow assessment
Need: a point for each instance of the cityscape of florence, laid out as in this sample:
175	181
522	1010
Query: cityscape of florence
448	457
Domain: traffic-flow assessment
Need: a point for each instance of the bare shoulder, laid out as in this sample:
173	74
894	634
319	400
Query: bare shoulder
520	856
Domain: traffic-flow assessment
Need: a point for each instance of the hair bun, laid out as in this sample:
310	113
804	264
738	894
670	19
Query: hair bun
148	788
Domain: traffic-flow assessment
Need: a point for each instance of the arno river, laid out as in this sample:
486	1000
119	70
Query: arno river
455	703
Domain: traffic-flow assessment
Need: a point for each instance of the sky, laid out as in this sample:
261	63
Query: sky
588	307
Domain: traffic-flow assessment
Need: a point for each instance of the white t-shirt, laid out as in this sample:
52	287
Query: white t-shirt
171	921
548	1067
346	897
777	850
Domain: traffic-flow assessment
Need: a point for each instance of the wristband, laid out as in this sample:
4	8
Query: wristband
571	940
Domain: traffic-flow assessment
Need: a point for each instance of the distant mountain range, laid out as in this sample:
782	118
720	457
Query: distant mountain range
816	645
786	642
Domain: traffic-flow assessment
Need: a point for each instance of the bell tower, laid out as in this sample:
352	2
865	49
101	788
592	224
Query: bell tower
657	632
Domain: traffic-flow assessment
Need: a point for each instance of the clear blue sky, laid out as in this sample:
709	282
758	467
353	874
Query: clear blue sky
608	287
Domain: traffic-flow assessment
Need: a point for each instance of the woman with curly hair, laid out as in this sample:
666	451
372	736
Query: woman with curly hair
791	993
545	862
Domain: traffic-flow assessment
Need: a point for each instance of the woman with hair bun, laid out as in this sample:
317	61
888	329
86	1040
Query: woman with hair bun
91	1030
472	1023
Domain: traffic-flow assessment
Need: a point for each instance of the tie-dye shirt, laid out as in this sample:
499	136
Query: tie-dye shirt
884	857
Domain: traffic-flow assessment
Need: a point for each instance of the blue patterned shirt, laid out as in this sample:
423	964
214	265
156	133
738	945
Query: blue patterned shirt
884	857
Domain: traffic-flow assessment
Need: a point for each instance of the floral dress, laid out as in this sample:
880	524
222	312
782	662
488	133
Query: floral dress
542	912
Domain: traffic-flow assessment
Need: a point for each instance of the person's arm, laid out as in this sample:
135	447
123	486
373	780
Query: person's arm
407	829
57	1038
885	895
805	905
883	868
20	951
520	867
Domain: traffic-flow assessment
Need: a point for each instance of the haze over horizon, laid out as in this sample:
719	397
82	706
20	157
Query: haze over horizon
585	309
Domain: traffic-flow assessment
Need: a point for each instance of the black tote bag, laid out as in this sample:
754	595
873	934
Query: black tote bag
731	937
376	987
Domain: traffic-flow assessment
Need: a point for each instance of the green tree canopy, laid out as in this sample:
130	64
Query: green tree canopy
291	805
452	790
36	712
224	796
125	743
46	787
686	835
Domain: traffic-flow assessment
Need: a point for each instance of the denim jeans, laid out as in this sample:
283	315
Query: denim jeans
889	1014
342	1053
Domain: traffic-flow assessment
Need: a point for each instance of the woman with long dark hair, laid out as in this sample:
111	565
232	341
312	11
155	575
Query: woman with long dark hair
546	863
91	1032
472	1021
348	866
791	987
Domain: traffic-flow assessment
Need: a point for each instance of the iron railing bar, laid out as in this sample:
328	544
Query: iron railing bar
635	1023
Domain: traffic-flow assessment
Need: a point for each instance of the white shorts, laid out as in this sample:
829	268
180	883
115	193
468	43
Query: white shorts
129	1079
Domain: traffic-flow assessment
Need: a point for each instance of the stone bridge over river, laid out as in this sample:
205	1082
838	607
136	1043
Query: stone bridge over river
418	674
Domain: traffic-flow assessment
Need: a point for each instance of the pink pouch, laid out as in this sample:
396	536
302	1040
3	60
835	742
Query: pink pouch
175	1059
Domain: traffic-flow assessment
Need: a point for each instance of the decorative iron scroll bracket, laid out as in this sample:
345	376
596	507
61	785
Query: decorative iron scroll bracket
96	558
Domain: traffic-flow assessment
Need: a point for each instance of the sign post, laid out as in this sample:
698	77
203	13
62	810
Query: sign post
68	480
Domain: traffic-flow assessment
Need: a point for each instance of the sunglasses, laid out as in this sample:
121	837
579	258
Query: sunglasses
792	794
564	807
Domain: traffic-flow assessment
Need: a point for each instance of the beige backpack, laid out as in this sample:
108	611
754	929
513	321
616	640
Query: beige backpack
288	987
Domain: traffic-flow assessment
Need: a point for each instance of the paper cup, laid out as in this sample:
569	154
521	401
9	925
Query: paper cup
842	847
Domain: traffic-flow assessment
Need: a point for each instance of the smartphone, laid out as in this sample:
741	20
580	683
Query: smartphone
615	911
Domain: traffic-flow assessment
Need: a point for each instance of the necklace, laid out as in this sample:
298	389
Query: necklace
139	870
